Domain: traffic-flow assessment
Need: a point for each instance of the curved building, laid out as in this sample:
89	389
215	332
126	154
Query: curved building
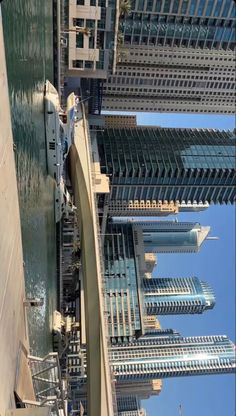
173	357
170	296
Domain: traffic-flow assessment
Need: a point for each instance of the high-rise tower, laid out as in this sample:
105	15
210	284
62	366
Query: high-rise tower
125	268
169	164
165	296
177	56
174	357
171	236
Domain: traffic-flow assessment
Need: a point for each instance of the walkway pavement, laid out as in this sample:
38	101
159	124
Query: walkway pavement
14	370
99	383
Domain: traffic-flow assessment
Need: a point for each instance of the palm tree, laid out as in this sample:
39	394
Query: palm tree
125	7
121	54
120	39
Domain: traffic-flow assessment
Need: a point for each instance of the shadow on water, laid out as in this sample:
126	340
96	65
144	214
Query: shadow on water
28	41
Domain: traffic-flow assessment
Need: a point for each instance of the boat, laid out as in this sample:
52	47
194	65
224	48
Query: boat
55	132
59	128
63	201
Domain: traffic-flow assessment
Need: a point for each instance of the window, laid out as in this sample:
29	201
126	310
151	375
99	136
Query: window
78	22
78	64
88	64
79	40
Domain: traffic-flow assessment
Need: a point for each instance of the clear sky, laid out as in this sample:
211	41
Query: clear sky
215	263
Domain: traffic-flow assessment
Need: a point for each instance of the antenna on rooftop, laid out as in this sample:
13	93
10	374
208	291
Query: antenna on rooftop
180	410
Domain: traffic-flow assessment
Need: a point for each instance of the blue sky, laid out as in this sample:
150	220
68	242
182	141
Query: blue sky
215	263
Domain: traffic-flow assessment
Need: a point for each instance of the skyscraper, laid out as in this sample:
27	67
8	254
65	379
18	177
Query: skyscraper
168	164
177	296
176	56
125	244
170	236
189	23
173	357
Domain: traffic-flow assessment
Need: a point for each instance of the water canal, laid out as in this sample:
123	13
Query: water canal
29	53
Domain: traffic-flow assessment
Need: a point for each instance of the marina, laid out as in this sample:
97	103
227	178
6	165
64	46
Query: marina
79	303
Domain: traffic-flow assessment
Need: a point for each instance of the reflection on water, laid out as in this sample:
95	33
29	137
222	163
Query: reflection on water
28	40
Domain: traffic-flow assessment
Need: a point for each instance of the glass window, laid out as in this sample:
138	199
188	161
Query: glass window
78	22
90	23
226	8
149	5
78	64
192	7
175	6
218	8
88	64
79	40
141	5
166	8
185	6
201	7
158	6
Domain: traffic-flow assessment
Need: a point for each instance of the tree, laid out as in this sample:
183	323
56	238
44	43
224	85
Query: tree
125	7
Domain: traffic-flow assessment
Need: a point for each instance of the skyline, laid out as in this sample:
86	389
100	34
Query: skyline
220	319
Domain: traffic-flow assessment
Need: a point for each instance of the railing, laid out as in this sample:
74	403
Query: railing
47	382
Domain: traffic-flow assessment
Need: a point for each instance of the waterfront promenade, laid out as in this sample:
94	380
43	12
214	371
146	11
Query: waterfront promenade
14	371
100	401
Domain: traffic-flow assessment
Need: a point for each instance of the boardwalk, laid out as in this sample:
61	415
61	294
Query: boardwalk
14	344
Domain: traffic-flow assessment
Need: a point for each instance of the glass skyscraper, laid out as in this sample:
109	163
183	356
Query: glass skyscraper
177	56
123	302
188	23
165	296
169	164
173	357
128	295
171	236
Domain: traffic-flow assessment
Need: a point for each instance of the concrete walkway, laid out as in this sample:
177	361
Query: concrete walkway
14	370
99	383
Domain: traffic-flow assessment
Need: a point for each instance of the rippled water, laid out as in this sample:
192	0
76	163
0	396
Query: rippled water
28	41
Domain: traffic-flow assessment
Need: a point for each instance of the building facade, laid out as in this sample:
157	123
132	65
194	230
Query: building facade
91	35
176	57
165	236
128	297
123	301
189	23
166	296
173	357
172	165
152	208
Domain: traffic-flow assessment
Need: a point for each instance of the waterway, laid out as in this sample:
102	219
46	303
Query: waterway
29	51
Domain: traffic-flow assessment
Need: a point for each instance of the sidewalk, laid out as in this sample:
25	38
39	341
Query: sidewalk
14	370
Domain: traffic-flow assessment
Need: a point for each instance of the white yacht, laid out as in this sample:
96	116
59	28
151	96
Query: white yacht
59	126
54	132
63	201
